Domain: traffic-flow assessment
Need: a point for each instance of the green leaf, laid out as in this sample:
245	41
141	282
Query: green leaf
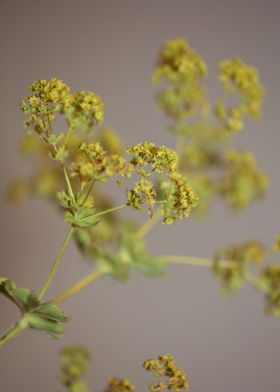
22	297
134	251
60	154
25	298
82	218
113	264
51	327
46	317
53	312
49	318
54	139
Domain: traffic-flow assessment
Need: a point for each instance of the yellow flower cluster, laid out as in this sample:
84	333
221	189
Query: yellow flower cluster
53	91
243	181
142	193
165	366
179	62
160	158
47	97
86	110
94	163
180	198
119	385
202	128
243	79
177	196
82	110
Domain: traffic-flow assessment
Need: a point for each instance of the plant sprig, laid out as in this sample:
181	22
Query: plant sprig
168	184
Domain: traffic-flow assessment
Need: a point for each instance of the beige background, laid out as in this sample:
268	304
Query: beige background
225	345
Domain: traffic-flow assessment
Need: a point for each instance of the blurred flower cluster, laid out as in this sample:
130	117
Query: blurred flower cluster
204	130
251	261
75	363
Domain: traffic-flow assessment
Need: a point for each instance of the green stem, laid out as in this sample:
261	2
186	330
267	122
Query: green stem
49	122
149	224
68	181
196	261
203	262
56	262
13	331
78	286
69	130
110	210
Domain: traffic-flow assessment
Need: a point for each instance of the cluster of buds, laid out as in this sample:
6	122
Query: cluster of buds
231	263
119	385
179	62
74	365
270	282
182	69
232	267
243	180
203	128
75	361
168	375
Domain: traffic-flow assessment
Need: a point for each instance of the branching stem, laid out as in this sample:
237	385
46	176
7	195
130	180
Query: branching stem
13	331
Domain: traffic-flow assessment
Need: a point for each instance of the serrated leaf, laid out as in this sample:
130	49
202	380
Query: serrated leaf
83	218
114	265
137	255
49	318
46	317
53	312
51	327
24	298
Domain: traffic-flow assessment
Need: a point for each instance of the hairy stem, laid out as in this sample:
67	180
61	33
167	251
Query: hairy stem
56	262
13	331
78	286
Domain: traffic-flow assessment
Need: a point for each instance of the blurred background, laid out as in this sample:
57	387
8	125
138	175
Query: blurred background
110	47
